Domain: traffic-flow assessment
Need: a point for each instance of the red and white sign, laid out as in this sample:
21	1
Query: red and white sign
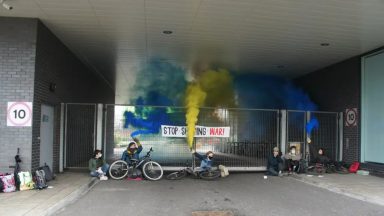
201	131
19	114
351	117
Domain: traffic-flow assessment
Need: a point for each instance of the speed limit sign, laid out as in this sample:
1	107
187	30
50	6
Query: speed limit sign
351	117
19	114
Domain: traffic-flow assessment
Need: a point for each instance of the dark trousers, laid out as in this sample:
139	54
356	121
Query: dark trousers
293	165
273	171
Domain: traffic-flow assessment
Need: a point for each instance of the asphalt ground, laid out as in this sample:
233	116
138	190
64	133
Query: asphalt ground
241	193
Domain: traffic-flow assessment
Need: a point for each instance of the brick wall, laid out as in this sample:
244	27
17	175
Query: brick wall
31	58
75	83
336	88
17	58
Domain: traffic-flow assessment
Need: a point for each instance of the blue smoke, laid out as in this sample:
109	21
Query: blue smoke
270	92
313	123
160	83
150	124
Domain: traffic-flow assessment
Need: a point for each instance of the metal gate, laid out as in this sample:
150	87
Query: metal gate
325	136
80	131
253	134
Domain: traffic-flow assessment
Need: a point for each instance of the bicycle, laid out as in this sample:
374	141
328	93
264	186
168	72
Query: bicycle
208	174
151	169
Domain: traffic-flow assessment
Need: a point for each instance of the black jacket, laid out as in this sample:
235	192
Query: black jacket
274	162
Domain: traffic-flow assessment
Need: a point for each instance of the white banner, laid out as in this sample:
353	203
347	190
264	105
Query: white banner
201	131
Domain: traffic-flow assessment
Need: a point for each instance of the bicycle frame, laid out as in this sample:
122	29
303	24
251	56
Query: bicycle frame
144	159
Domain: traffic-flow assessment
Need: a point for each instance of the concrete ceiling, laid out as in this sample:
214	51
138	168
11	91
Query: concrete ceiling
280	37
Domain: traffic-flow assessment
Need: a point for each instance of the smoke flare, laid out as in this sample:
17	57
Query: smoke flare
194	99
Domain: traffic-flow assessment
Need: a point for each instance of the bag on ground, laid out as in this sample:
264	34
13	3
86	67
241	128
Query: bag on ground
223	171
26	181
354	167
40	180
48	173
8	183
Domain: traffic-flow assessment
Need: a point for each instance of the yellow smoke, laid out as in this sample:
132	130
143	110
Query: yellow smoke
211	89
194	99
219	88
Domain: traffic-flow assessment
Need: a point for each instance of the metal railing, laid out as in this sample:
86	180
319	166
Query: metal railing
253	134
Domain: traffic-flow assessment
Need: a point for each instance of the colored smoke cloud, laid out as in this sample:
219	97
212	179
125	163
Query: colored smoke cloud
194	99
219	88
270	92
313	123
158	83
150	124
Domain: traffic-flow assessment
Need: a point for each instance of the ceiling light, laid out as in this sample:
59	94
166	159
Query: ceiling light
167	32
5	5
324	44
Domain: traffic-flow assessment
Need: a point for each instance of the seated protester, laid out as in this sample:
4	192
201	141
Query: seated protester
293	160
321	161
321	158
275	163
206	161
133	152
97	166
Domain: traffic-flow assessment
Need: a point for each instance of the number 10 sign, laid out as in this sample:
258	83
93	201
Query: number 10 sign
19	114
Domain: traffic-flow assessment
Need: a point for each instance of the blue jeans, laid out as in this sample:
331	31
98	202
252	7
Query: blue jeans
104	168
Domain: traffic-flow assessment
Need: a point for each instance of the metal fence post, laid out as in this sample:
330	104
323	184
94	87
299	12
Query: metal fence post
341	135
62	137
283	130
99	127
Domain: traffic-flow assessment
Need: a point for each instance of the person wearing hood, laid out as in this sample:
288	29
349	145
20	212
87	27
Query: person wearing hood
133	151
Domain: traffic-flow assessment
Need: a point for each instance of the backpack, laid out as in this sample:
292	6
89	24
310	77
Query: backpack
223	171
40	180
8	183
48	174
26	181
354	167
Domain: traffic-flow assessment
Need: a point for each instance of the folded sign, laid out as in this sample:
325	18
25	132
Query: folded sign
201	131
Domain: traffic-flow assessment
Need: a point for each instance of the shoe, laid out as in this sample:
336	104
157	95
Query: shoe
103	178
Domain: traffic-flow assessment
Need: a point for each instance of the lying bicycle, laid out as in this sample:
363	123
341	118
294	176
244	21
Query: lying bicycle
208	174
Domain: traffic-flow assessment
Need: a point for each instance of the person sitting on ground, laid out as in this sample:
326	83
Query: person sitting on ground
133	153
275	163
206	161
321	161
293	160
97	165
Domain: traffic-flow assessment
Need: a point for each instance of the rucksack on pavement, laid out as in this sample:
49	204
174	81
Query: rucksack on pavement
40	179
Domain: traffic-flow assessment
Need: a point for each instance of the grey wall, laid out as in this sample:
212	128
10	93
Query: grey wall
75	83
32	57
17	68
336	88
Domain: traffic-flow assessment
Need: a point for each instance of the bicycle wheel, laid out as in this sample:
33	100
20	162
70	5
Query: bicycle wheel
152	170
177	175
210	175
118	169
